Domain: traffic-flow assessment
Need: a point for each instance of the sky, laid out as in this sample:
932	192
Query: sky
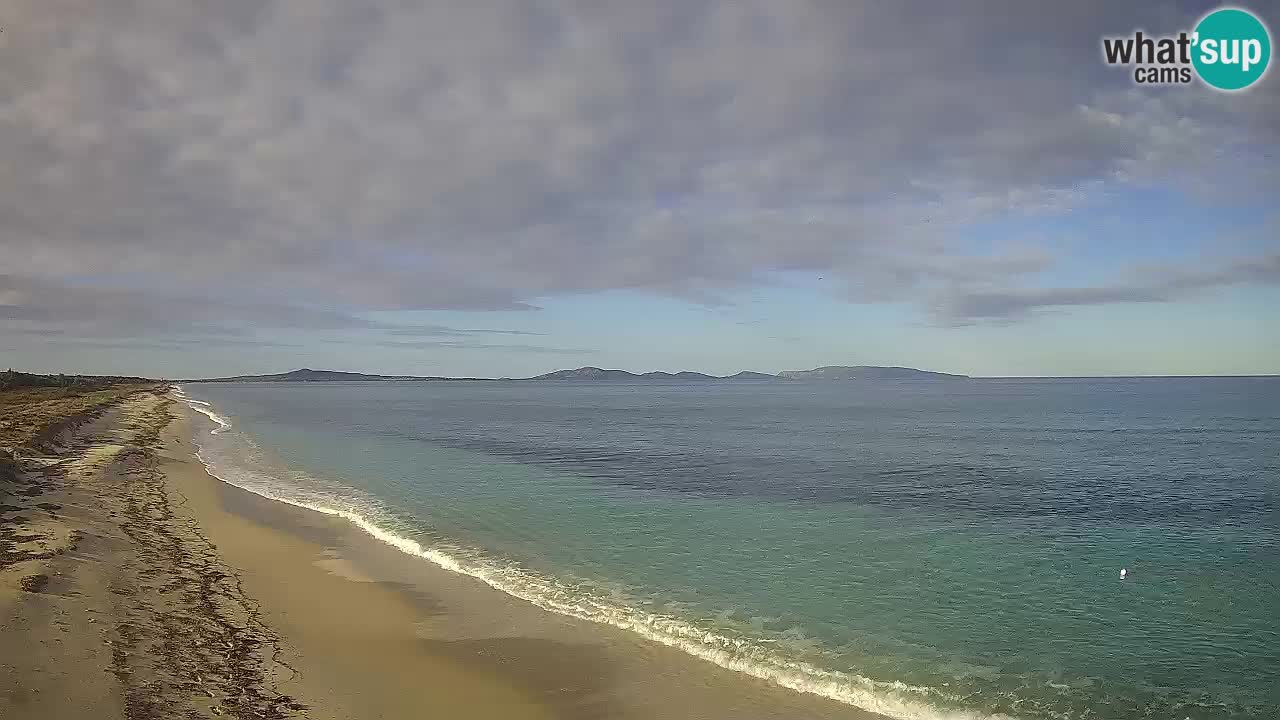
506	188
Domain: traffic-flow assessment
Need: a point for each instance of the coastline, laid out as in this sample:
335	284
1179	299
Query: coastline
431	618
122	596
350	639
161	591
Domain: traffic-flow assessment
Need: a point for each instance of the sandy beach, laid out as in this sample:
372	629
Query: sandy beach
136	585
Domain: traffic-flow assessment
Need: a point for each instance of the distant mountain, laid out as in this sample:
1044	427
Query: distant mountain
309	375
587	373
595	374
867	372
831	372
684	375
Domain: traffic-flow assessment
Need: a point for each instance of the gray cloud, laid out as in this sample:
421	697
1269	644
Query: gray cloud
503	347
58	308
446	331
468	345
1149	285
40	307
186	344
315	159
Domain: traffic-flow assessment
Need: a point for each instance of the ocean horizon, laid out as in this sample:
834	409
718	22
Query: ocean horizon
921	550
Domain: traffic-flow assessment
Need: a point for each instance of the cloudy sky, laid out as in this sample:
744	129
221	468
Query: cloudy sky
504	188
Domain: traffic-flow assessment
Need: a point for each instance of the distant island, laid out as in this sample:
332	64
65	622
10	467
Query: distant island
867	372
594	374
830	372
309	375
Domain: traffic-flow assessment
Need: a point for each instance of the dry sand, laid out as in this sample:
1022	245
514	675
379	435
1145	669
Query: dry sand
142	587
114	605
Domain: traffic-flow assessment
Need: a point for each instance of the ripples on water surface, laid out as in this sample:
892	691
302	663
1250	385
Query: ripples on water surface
935	550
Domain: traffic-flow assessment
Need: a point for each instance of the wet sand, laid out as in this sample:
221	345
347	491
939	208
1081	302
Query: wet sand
351	641
567	667
177	595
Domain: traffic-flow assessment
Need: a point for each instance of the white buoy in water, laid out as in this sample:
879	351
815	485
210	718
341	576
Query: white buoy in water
1124	572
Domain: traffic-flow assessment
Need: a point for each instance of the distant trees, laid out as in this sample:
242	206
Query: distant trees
11	379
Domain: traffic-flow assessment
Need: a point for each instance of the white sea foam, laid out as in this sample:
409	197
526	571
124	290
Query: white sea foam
750	657
223	423
201	407
182	395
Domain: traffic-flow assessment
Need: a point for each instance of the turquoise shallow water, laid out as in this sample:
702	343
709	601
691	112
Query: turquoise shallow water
926	551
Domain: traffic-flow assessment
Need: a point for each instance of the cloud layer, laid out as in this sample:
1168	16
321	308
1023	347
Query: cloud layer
316	159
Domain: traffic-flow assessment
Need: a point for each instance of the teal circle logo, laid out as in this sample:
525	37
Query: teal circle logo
1231	49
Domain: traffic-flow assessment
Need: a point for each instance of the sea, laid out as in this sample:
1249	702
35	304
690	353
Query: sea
927	550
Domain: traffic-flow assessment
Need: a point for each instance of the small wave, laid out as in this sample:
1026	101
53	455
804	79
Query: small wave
181	394
199	407
750	657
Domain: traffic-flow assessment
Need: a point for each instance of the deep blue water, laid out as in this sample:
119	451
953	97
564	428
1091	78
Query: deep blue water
928	550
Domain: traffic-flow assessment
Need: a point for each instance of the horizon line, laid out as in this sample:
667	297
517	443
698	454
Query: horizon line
392	377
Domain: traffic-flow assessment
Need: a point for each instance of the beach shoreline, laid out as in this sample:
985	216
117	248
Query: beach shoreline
125	595
352	640
305	614
566	667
